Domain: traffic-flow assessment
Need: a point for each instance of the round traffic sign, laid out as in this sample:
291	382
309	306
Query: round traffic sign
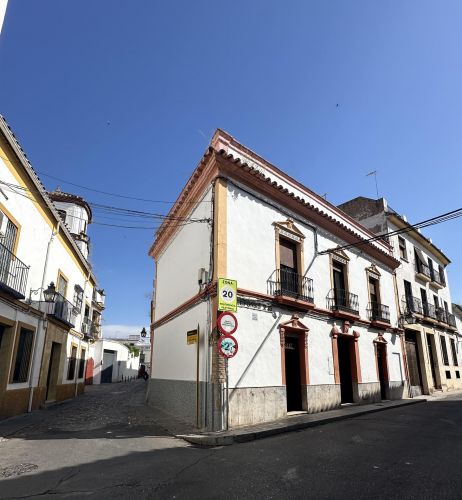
227	323
227	346
227	294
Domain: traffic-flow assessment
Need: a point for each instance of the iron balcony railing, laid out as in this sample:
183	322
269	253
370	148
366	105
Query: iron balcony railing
441	315
13	273
62	310
451	320
288	283
421	268
436	277
412	305
378	312
341	300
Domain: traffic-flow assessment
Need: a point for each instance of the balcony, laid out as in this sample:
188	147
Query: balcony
422	271
13	274
62	310
437	279
412	305
378	312
343	301
286	283
451	320
98	298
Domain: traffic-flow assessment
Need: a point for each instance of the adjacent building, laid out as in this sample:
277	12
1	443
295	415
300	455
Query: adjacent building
50	304
423	297
318	322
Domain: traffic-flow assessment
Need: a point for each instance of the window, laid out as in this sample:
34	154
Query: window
408	295
423	295
72	361
402	248
78	298
457	374
23	356
442	278
444	351
61	285
448	374
454	353
82	363
432	272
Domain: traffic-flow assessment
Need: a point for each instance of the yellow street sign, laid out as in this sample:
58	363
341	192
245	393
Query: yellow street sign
191	337
227	295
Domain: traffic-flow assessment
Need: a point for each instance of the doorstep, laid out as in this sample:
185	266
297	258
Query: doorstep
291	423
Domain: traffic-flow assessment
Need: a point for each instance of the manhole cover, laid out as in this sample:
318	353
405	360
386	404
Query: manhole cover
17	470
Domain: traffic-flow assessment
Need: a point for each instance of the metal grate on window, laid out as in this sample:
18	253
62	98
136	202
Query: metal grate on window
23	356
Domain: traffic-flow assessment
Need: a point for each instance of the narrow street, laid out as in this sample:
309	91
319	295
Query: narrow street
107	444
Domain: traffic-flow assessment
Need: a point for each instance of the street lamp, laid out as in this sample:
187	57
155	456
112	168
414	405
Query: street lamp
144	332
50	294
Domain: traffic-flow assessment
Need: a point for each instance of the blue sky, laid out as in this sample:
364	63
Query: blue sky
124	96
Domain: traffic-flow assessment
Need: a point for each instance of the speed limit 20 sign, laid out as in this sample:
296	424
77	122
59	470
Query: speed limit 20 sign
227	295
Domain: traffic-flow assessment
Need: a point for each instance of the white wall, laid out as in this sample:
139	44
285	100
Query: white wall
126	365
252	258
172	358
177	267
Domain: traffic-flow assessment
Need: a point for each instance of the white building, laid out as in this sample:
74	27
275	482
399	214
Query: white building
424	298
318	323
114	362
46	291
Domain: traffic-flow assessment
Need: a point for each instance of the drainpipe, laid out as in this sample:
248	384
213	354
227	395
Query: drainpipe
42	322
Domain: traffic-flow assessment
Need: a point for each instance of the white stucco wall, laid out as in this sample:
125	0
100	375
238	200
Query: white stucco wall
126	365
172	358
178	266
252	255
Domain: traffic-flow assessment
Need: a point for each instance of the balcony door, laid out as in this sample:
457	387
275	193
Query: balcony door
338	273
374	297
6	251
423	295
289	275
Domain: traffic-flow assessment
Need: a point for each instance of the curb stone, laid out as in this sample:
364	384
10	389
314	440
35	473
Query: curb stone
244	435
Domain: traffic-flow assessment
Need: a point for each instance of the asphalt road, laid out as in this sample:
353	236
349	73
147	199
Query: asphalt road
409	452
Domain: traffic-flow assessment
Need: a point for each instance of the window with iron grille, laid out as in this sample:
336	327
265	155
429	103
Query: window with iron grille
444	351
72	362
454	353
82	363
23	356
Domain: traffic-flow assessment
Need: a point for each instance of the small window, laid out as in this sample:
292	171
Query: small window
444	351
72	361
402	248
82	363
61	284
457	374
23	356
448	374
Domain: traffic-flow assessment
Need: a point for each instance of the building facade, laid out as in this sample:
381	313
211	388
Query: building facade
425	307
46	289
317	314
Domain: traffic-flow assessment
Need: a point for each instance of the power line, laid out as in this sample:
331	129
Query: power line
176	222
113	210
107	193
454	214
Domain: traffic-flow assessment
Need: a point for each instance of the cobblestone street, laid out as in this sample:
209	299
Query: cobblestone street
107	421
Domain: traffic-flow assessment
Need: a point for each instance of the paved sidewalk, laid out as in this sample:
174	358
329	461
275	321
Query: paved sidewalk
292	423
